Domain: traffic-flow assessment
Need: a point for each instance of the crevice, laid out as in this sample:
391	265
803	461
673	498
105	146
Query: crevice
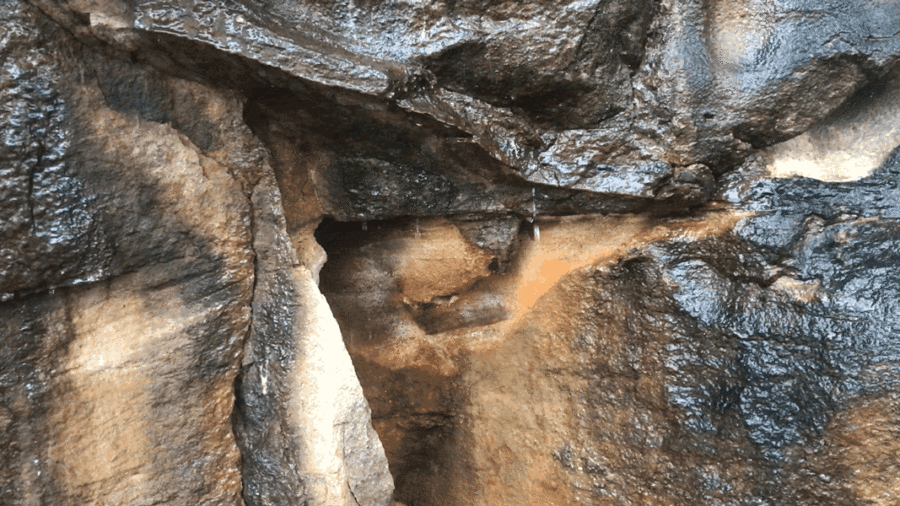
587	30
396	197
237	384
32	171
888	37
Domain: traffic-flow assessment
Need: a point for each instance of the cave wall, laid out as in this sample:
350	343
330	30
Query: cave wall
334	252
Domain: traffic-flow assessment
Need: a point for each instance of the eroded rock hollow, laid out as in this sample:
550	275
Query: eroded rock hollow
446	252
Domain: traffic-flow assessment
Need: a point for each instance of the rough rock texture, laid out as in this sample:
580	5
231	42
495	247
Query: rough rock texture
140	269
127	274
302	422
578	252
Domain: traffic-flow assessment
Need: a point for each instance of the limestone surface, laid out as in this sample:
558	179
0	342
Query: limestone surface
447	252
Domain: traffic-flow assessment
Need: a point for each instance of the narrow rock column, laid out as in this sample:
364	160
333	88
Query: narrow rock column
303	424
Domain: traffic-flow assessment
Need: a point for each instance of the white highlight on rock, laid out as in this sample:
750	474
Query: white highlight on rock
846	147
109	20
739	30
264	379
329	408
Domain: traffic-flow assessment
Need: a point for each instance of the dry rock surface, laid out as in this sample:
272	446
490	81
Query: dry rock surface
446	252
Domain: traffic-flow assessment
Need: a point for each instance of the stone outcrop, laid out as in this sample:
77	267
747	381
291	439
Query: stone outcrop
449	252
147	279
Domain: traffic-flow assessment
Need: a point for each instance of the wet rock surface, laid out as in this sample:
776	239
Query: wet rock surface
603	253
640	87
301	420
127	275
137	293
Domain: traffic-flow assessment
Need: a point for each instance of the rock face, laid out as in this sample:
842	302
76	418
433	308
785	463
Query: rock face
151	291
449	252
127	275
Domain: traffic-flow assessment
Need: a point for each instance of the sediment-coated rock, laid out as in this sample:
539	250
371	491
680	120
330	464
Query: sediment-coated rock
703	362
127	272
132	268
603	253
302	422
